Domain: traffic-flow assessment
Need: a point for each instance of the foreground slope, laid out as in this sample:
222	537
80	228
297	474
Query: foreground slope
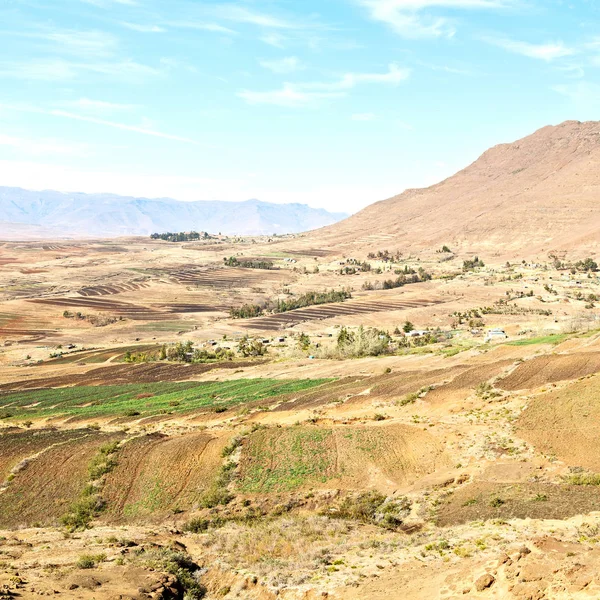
538	194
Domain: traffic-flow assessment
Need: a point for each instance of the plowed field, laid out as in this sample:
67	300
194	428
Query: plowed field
46	487
551	368
157	474
328	311
384	457
566	423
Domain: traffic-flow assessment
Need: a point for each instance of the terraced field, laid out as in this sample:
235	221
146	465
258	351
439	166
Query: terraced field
151	372
328	311
127	310
353	457
144	400
230	278
110	289
42	492
157	474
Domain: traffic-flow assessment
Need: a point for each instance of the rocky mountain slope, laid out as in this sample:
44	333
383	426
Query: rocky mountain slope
55	214
535	195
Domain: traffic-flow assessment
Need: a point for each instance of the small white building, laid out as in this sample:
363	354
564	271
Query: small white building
495	334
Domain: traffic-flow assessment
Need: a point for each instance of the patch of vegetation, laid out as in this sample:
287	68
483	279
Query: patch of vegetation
555	338
583	479
183	236
179	564
89	561
91	504
246	311
107	400
471	265
373	507
232	261
287	463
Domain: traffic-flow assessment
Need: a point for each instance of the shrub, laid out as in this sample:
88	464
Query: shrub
197	525
89	561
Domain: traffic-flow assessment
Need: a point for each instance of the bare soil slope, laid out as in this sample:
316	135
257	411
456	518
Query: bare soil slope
543	189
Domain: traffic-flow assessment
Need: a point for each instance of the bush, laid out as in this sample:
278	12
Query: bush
197	525
89	561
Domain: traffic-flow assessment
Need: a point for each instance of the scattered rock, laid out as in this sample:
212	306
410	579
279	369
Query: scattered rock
484	582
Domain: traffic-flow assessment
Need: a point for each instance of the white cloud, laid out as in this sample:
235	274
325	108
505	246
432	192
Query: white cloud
241	14
88	105
202	26
363	117
306	94
60	70
105	123
109	3
142	28
40	146
582	93
274	39
288	96
404	17
283	65
548	52
88	44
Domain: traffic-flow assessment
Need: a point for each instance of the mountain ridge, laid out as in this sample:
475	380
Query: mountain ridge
49	213
537	194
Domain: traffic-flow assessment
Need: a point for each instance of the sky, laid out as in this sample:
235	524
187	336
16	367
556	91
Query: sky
331	103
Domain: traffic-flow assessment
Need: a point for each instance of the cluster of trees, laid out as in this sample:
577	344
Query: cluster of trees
310	299
249	311
246	311
180	352
405	277
95	320
385	255
182	236
362	342
232	261
471	265
584	266
249	347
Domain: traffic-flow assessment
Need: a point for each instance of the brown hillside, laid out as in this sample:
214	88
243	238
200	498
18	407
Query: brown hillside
535	195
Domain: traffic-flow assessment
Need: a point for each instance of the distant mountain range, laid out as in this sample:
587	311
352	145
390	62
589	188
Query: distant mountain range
47	213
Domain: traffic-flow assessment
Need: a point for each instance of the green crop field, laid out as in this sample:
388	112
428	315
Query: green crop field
284	461
547	339
145	399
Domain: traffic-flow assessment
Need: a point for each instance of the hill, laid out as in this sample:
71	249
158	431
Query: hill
533	196
25	213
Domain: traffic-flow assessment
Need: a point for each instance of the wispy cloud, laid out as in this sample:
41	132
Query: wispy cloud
41	146
288	96
549	51
63	70
274	39
300	95
363	117
88	44
288	64
99	106
405	16
242	14
201	26
582	93
96	121
140	27
109	3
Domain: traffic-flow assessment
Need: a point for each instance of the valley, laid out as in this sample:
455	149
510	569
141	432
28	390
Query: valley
303	416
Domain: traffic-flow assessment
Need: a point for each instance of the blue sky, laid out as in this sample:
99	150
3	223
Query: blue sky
333	103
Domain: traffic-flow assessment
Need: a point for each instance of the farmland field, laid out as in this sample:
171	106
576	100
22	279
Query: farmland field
143	399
